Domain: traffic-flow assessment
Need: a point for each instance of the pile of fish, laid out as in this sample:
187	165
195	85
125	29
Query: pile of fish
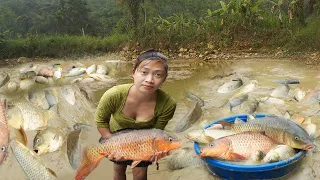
259	140
35	76
46	112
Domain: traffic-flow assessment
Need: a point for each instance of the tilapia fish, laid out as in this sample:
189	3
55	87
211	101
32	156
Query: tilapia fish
238	147
4	131
136	145
31	163
282	130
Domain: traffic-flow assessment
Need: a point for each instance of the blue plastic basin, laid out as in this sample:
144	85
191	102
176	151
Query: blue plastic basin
227	170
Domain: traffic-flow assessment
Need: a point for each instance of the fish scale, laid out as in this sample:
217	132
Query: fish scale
282	130
32	165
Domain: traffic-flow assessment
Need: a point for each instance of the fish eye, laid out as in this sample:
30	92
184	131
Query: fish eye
38	140
296	138
3	148
170	139
211	144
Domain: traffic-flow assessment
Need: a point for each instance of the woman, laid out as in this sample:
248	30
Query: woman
137	106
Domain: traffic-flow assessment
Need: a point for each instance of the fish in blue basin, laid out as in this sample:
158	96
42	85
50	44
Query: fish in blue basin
280	129
238	147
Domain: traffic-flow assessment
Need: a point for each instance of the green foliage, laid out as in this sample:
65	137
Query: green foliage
60	46
307	38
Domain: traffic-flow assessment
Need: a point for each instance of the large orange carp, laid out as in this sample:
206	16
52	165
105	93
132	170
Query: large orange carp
4	131
238	147
136	145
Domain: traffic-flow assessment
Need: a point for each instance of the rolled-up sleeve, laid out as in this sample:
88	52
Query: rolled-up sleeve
167	114
106	107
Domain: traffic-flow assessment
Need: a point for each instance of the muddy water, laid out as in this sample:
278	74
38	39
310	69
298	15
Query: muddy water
202	79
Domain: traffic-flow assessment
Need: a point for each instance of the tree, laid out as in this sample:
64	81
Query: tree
72	16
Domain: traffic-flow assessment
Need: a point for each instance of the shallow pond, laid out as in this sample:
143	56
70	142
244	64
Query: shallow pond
202	79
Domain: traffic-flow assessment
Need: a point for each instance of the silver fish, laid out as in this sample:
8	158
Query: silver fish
32	165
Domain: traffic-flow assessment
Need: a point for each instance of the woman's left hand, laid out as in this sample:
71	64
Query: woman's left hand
159	155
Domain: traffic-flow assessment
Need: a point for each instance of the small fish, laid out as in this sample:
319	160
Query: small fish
237	100
34	118
230	86
190	118
280	152
26	75
137	145
282	130
73	148
48	140
183	158
299	95
91	69
313	97
4	78
237	147
75	72
287	81
31	163
45	72
4	131
102	69
195	98
101	77
281	91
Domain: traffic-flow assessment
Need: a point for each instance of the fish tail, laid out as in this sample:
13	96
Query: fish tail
89	162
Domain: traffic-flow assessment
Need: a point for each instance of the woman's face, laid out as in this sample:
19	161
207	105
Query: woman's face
149	75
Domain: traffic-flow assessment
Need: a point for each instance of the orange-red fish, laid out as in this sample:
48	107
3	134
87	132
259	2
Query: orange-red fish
136	145
238	147
4	131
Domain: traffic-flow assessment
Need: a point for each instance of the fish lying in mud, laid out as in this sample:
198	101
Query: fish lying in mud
4	131
238	147
230	86
137	145
48	140
31	163
282	130
287	81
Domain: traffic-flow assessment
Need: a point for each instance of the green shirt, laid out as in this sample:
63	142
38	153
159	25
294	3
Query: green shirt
112	103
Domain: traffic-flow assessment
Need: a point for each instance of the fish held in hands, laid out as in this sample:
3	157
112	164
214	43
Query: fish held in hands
136	145
237	147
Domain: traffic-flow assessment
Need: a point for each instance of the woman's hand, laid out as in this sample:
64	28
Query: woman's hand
159	155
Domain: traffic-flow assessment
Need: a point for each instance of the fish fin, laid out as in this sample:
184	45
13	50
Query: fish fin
209	138
239	121
52	172
88	164
103	153
215	126
135	163
250	117
225	124
287	115
235	156
24	136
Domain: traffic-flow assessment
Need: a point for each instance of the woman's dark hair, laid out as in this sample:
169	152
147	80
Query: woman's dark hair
151	54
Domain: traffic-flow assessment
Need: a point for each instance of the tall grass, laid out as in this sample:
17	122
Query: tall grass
59	46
